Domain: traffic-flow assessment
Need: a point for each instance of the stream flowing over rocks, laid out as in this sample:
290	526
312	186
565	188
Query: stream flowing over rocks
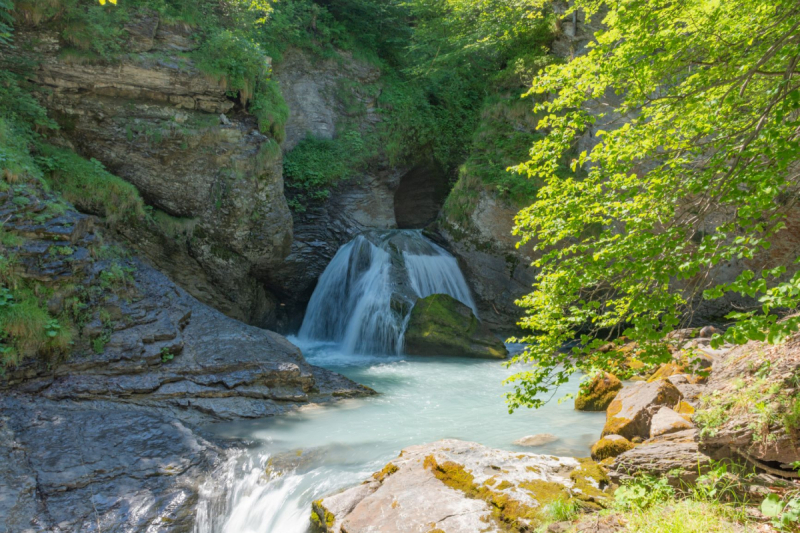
109	439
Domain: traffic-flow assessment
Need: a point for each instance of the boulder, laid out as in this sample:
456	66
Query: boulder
598	394
536	440
632	410
665	371
676	455
441	325
610	446
668	421
686	384
460	487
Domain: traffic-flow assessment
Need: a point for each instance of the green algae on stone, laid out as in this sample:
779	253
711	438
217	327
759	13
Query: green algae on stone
507	513
441	325
387	471
598	394
318	512
610	446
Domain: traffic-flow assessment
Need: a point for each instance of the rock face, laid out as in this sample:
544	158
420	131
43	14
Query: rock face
598	393
441	325
631	412
460	487
321	94
732	425
107	439
498	272
676	456
222	220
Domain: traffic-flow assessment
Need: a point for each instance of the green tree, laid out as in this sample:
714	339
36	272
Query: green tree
701	171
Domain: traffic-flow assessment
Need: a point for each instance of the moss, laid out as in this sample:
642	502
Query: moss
590	479
685	410
615	425
606	447
387	471
665	371
441	325
89	186
597	394
505	484
507	513
320	516
545	491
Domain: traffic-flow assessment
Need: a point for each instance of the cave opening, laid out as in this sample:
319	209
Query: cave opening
420	196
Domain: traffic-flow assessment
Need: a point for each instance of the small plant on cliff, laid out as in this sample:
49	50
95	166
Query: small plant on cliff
316	165
694	169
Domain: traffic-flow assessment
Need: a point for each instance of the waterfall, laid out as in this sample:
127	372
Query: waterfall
363	299
438	274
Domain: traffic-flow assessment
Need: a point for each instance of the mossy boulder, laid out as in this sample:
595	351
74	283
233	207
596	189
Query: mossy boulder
463	487
610	446
666	370
441	325
631	412
598	394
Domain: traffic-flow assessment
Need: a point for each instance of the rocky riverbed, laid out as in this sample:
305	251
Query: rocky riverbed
107	439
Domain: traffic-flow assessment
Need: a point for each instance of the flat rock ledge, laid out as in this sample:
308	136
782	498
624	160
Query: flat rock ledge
460	487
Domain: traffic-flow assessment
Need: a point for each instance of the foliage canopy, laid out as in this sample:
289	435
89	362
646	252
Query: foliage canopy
696	170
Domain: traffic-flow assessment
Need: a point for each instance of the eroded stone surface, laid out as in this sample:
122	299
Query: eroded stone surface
633	408
536	440
668	421
419	491
107	439
676	455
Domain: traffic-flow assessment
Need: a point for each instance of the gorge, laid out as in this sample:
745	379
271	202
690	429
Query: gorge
302	266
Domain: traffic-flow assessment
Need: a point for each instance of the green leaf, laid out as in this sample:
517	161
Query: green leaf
772	506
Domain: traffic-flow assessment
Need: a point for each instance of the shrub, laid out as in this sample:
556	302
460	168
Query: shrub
315	165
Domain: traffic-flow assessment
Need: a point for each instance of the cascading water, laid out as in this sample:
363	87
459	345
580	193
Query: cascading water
354	326
360	301
438	274
352	302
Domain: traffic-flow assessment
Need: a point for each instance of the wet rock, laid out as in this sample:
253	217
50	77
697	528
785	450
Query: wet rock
598	394
536	440
632	410
80	467
676	455
460	487
441	325
668	421
610	446
106	439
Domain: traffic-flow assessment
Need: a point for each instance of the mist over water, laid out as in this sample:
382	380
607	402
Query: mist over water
317	450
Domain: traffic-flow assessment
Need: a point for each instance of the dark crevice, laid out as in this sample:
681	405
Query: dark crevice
420	196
